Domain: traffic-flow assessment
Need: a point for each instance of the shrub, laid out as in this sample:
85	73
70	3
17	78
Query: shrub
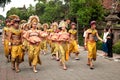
116	47
80	40
99	45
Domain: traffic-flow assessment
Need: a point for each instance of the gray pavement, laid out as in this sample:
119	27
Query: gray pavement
105	69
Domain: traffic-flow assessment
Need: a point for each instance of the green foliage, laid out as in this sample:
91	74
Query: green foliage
82	11
23	13
2	17
2	20
52	11
39	8
4	2
99	45
116	48
86	10
80	40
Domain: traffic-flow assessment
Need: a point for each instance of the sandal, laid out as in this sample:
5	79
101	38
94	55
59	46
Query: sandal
17	71
92	67
77	59
64	68
57	59
35	71
13	68
88	64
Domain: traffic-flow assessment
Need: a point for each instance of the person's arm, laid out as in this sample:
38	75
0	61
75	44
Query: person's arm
3	36
112	35
10	40
99	37
27	37
21	36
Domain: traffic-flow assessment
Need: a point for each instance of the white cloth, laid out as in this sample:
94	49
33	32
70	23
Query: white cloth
84	34
105	36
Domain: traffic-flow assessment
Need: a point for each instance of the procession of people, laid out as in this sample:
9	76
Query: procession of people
32	38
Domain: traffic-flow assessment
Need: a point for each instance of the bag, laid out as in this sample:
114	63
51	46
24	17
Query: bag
95	38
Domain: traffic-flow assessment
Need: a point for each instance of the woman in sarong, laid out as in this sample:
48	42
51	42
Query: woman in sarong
63	46
44	36
34	39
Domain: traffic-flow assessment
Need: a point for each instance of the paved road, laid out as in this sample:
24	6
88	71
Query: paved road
50	70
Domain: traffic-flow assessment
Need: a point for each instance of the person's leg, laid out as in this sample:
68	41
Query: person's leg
91	64
62	59
56	51
13	56
52	50
88	63
17	66
91	53
111	54
34	69
36	58
77	56
45	47
105	50
76	49
108	50
6	50
13	65
34	63
57	56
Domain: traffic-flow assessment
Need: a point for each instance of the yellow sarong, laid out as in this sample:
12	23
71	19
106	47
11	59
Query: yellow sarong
6	48
44	45
64	51
17	53
73	46
54	48
91	50
25	45
34	51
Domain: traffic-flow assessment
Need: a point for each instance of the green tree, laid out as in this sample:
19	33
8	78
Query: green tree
21	12
4	2
2	18
52	11
39	8
44	1
13	11
30	11
84	11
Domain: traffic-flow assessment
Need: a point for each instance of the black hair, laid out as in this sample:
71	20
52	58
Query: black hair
106	28
110	30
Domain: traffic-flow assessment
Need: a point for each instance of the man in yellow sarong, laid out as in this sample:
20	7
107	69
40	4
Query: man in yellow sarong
5	40
73	41
15	44
90	43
